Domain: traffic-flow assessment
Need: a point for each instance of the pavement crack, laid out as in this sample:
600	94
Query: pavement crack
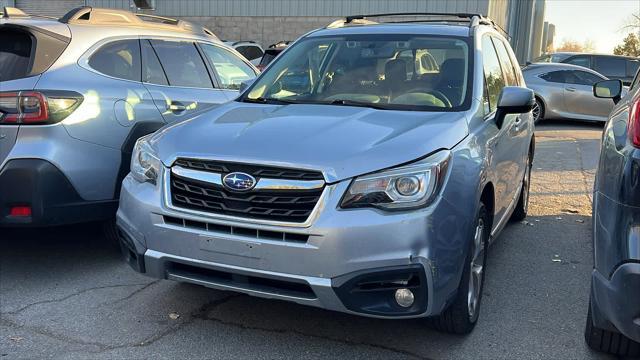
315	336
15	312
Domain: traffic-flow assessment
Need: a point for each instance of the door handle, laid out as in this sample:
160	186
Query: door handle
570	89
176	107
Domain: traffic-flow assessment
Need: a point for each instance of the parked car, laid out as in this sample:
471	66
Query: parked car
251	50
565	91
76	93
337	181
271	53
613	322
611	66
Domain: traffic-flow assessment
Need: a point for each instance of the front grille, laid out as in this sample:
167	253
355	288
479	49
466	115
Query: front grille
275	205
257	171
237	230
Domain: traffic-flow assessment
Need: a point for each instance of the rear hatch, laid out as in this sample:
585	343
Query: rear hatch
28	47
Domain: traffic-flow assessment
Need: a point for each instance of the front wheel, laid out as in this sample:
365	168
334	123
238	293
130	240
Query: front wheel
462	315
521	209
537	111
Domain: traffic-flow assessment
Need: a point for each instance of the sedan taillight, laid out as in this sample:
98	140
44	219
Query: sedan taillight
37	107
634	123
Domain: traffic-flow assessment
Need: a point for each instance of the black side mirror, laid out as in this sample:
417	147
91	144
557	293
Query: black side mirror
245	84
513	100
608	89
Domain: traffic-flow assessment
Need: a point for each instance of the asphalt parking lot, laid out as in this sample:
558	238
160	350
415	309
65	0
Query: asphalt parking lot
64	293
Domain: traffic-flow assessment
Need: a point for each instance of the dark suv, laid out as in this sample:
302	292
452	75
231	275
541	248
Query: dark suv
612	66
613	323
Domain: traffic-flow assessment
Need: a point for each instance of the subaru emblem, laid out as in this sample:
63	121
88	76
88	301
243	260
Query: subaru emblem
238	181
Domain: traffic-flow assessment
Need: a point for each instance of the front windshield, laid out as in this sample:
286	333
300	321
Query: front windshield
405	72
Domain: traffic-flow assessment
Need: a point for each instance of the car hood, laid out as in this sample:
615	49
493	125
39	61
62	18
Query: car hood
340	141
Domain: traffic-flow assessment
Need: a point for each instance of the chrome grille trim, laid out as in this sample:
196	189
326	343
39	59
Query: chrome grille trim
166	193
263	183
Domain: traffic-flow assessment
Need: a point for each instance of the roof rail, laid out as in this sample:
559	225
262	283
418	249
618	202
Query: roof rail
472	19
12	13
101	16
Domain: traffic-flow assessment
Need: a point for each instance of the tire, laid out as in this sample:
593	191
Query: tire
538	111
462	315
609	342
521	209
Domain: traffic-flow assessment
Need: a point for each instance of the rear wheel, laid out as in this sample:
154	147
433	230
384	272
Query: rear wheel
462	315
608	341
538	111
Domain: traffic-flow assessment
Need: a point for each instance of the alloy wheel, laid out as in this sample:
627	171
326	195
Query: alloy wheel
536	111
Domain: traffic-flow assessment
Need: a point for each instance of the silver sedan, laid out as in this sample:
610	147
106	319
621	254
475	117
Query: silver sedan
566	91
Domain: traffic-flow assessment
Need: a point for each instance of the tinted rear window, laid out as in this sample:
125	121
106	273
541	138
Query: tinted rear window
250	52
15	54
611	67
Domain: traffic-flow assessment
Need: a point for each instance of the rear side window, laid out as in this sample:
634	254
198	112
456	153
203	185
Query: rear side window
611	67
505	62
182	64
492	73
119	59
15	54
250	52
230	68
555	77
584	61
152	71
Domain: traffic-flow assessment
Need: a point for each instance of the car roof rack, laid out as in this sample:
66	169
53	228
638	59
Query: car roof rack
472	19
102	16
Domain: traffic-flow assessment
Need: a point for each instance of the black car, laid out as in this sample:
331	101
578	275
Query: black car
613	323
271	53
612	66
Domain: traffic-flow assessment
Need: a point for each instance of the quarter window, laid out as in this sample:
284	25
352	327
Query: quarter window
182	64
120	59
492	72
555	77
231	70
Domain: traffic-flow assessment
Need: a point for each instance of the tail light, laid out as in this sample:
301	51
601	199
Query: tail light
37	107
634	123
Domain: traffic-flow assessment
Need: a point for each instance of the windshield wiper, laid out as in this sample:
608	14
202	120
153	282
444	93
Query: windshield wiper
262	100
359	103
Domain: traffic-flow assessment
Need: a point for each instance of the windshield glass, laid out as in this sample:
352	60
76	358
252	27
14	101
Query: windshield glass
405	72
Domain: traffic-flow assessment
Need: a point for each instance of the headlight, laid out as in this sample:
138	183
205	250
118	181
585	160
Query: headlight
145	165
410	186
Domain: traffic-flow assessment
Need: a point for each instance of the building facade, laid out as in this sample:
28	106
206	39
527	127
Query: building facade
270	21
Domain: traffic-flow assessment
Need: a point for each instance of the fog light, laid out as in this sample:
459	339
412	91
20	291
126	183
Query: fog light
404	297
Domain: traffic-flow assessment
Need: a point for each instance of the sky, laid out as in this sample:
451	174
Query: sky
597	20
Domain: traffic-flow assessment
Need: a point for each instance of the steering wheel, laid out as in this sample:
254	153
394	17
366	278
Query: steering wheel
440	96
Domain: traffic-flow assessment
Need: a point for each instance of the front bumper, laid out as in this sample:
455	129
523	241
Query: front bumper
616	301
322	267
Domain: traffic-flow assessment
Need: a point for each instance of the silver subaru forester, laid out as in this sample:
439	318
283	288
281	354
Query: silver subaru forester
365	171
